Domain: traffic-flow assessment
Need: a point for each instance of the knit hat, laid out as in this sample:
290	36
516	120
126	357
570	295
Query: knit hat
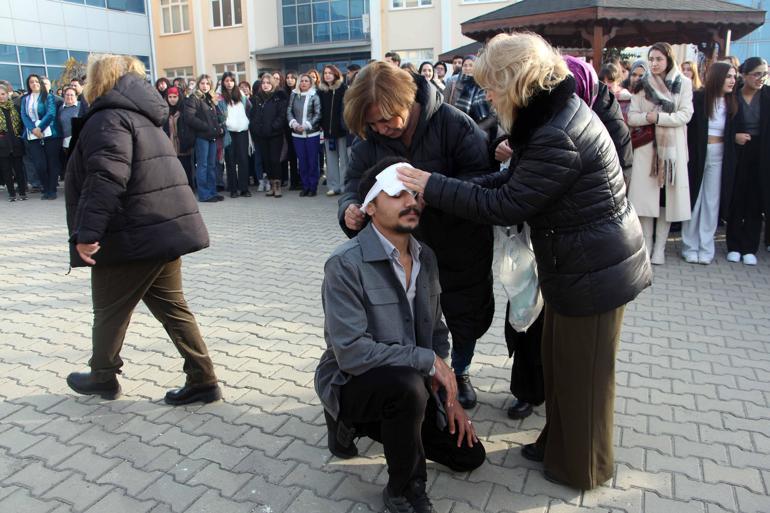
172	90
586	80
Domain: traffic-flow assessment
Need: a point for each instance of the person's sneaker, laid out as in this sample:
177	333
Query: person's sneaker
83	383
519	410
704	261
193	394
532	452
418	497
23	197
734	257
466	396
331	193
749	259
690	259
396	503
11	199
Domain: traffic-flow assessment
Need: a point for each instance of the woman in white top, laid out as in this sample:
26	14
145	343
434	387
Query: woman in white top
235	107
659	188
712	162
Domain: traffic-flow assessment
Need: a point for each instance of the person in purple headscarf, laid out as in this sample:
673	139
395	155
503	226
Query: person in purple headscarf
601	100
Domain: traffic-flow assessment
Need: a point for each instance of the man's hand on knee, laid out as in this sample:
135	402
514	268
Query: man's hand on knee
460	423
445	378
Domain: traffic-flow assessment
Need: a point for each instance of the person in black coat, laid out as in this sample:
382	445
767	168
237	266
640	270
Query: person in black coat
331	91
608	109
267	126
566	182
711	167
439	138
131	215
202	117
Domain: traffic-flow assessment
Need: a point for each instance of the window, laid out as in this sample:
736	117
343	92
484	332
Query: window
323	21
415	56
126	5
225	13
409	4
174	16
239	68
185	73
30	55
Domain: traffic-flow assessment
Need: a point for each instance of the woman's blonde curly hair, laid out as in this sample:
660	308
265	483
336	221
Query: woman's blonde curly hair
515	67
104	71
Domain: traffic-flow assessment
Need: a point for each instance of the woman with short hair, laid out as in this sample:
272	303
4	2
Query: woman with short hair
659	188
131	216
565	181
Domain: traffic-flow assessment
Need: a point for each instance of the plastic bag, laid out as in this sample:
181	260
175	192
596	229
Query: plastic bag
518	275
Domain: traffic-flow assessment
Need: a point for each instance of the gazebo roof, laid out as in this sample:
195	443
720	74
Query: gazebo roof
627	22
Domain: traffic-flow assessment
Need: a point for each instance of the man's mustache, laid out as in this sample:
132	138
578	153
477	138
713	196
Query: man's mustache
411	210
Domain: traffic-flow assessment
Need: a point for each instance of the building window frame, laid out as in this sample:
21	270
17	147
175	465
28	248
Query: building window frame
404	4
239	68
186	73
167	10
416	55
218	12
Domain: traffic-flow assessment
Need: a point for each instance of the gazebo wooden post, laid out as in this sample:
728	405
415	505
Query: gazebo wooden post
597	46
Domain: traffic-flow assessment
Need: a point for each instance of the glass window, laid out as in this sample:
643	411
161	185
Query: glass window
407	4
290	15
31	70
305	34
320	12
340	31
145	60
96	3
356	29
321	33
55	57
175	16
239	68
339	10
226	13
303	14
357	8
346	17
415	56
30	55
290	35
55	72
289	2
8	53
135	6
10	72
79	56
185	72
75	1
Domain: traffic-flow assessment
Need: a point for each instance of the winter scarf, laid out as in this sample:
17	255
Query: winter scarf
15	119
472	99
661	93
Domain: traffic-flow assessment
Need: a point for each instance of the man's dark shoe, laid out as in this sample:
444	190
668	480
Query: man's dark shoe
396	503
343	449
234	194
466	396
533	453
246	194
418	498
519	410
303	193
83	383
193	394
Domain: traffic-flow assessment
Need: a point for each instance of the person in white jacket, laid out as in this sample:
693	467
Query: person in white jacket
304	115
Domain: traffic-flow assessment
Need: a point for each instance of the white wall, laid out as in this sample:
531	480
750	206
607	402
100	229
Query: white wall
58	24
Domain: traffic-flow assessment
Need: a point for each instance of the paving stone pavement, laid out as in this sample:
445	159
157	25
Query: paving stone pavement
692	411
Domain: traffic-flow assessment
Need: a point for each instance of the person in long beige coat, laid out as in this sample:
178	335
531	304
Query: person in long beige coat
662	98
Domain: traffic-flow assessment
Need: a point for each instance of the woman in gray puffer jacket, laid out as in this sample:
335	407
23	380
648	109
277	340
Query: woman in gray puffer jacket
304	115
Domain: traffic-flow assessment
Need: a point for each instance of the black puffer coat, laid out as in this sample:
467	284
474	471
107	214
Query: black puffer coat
200	114
332	99
268	116
566	182
608	109
124	185
449	142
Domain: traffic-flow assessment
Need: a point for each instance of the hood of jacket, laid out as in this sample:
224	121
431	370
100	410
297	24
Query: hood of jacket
429	98
323	86
133	93
541	107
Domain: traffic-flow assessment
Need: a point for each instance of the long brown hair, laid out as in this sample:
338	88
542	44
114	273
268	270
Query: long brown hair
667	50
714	89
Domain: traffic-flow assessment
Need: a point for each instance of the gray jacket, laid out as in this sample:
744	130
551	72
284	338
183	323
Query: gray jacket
368	322
298	114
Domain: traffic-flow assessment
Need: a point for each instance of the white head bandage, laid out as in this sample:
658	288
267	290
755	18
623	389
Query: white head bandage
388	182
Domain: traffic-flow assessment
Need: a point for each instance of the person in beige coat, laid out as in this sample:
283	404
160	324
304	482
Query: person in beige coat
659	188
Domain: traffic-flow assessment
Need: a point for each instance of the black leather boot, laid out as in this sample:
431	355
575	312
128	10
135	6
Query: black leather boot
418	497
341	441
519	410
466	396
84	383
193	394
533	453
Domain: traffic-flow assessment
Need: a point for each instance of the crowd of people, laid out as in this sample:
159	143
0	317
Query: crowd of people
424	162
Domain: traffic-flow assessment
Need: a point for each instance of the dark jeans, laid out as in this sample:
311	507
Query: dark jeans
187	164
270	150
744	221
117	289
394	406
46	158
12	167
237	156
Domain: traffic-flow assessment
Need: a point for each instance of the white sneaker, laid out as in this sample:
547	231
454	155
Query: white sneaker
733	256
704	261
330	193
261	187
690	258
768	248
749	259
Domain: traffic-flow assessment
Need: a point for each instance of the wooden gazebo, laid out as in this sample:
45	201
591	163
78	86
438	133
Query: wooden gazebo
597	24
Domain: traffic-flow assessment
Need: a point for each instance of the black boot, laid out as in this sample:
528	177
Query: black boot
533	453
193	394
466	396
84	383
345	448
396	503
519	410
418	498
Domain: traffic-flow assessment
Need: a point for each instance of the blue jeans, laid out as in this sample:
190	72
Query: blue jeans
307	155
205	164
462	354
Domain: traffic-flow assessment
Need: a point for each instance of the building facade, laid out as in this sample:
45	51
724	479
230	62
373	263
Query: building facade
38	36
194	37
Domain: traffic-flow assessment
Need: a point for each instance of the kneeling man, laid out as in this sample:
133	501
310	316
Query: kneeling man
383	374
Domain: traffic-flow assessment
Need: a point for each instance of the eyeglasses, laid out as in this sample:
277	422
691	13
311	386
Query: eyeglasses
758	75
